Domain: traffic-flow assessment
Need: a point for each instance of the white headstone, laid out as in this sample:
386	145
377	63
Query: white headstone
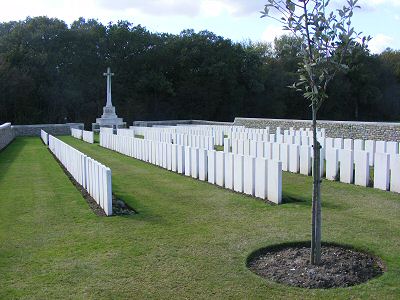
229	171
260	149
274	188
169	156
348	144
288	139
370	147
332	163
226	145
164	164
160	153
380	146
195	162
268	150
381	171
238	180
338	143
358	145
203	164
276	151
279	138
395	173
361	166
211	160
297	140
188	161
240	147
392	148
246	147
305	140
294	158
261	177
234	145
346	159
174	158
284	157
329	143
253	148
181	159
249	175
305	160
220	168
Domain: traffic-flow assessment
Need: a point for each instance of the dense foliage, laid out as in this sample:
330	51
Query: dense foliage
51	72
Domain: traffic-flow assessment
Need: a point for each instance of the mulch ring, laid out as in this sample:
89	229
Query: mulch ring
340	266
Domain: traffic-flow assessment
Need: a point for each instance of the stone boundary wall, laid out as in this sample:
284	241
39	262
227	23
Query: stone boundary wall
339	129
53	129
180	122
6	135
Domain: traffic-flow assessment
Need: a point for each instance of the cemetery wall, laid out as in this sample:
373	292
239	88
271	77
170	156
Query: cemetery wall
178	122
53	129
334	129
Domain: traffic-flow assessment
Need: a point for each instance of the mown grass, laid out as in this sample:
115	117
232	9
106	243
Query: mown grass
189	239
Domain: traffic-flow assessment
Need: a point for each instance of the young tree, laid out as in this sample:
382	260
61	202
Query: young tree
326	35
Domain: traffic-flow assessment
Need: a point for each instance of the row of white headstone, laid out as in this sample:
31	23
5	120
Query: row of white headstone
6	135
353	166
294	158
253	176
347	166
370	146
126	132
165	134
76	133
198	141
44	136
87	136
296	137
304	137
94	177
350	160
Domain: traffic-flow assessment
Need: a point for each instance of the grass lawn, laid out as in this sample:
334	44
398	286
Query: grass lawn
189	239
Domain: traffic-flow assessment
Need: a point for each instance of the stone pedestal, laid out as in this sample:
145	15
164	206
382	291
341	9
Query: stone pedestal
108	119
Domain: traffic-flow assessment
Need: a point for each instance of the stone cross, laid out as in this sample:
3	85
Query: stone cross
108	74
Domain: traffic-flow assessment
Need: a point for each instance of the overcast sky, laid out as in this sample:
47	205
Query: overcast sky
235	19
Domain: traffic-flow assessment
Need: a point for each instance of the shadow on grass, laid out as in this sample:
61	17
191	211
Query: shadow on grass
306	201
288	199
10	153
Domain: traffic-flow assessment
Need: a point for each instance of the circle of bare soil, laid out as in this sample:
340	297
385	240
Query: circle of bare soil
290	264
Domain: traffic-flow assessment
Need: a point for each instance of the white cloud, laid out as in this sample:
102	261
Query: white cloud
192	8
214	8
369	3
154	7
380	42
390	2
271	32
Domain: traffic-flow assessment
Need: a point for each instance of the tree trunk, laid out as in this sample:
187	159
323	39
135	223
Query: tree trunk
315	257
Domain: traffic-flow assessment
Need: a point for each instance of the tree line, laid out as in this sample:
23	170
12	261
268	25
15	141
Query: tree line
53	73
